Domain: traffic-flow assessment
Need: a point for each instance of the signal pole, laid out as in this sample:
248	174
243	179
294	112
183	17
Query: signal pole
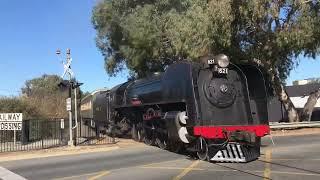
67	70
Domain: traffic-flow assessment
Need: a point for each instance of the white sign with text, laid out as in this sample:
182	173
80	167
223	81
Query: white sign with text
68	104
11	121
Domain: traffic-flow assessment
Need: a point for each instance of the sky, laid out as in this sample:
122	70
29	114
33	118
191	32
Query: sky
31	31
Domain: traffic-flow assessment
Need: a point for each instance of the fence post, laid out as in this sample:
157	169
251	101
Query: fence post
41	134
61	130
14	138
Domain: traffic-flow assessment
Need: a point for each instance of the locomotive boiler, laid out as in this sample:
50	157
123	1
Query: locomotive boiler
214	108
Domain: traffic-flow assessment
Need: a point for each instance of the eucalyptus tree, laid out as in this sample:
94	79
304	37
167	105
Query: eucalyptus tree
148	35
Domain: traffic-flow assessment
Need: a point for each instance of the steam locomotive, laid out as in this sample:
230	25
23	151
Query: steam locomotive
214	109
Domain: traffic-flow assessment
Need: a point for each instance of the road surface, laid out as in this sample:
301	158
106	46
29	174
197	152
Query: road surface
292	157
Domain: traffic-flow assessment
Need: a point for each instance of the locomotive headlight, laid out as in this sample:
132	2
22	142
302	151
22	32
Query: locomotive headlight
223	60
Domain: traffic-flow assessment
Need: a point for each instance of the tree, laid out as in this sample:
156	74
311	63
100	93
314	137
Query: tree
148	35
41	86
312	99
308	107
17	105
44	93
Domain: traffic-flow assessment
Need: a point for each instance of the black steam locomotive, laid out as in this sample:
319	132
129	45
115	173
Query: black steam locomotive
214	108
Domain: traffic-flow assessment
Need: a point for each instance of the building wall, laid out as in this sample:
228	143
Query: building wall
299	95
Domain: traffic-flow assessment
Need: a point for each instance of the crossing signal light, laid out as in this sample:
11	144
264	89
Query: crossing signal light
64	84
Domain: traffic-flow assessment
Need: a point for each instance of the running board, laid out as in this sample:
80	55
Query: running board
235	152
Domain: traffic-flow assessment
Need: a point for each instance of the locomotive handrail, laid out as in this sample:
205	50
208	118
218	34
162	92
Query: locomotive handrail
293	125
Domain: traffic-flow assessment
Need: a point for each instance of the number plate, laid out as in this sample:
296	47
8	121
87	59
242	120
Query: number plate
223	70
210	61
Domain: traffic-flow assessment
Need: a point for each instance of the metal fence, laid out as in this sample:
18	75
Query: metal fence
89	133
43	134
35	134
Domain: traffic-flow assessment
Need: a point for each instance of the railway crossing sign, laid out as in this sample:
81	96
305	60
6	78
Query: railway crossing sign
11	121
67	68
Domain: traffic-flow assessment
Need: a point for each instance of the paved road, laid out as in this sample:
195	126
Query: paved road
294	157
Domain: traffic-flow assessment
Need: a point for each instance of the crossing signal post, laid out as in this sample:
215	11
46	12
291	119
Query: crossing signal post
75	86
65	84
69	84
